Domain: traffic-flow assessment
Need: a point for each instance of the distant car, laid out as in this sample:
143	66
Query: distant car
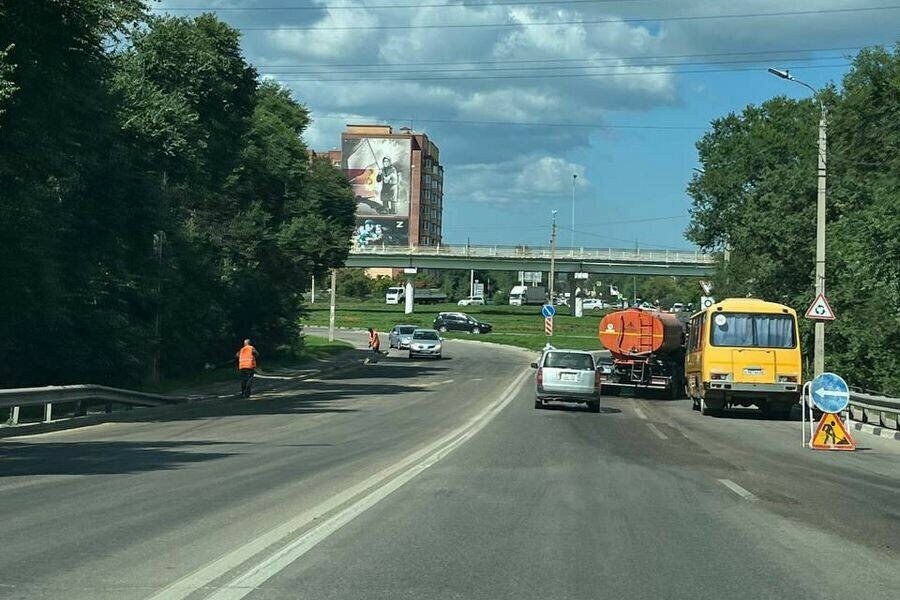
456	321
400	335
571	375
425	342
593	304
471	301
677	307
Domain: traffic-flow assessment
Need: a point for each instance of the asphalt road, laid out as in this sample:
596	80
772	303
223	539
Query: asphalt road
439	480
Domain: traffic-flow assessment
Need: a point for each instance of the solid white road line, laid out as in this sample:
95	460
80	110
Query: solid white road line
378	486
640	414
737	489
656	431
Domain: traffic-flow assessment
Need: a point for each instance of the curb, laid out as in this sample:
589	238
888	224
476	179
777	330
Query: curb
136	415
876	430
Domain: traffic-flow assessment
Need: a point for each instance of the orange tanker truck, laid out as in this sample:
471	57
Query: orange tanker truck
647	348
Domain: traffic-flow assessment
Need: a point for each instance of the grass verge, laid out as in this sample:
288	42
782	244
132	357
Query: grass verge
313	348
521	326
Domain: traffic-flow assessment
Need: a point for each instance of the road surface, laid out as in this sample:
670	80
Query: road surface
439	480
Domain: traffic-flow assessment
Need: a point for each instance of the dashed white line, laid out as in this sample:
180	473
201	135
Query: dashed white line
640	414
737	489
656	431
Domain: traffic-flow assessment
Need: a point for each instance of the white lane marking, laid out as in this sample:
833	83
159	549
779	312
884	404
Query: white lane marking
640	414
433	383
737	489
656	431
388	480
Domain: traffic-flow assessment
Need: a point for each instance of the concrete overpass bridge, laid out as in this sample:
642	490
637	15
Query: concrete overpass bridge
529	258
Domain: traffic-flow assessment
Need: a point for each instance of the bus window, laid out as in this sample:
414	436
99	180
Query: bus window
743	330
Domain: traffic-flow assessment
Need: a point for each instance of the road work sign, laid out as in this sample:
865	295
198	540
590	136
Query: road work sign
832	435
820	310
548	311
548	326
829	392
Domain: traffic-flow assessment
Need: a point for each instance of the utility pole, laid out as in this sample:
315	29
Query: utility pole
552	259
312	299
574	179
159	243
819	342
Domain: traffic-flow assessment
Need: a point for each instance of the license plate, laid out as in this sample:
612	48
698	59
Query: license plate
568	376
753	371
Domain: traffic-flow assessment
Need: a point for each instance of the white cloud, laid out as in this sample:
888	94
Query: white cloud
323	42
526	179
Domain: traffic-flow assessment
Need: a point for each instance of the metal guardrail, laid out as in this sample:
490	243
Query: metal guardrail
875	409
610	254
80	395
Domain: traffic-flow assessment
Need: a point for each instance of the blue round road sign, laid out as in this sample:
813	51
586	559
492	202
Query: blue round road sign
829	393
548	311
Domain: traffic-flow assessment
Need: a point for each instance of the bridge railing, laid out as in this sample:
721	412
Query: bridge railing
79	397
875	409
484	251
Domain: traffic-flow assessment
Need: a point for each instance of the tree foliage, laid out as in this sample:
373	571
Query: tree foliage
757	197
156	200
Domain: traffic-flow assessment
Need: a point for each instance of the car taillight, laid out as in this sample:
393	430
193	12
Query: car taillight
787	379
540	376
720	376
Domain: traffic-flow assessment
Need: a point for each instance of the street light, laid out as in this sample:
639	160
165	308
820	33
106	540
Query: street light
574	179
552	256
819	348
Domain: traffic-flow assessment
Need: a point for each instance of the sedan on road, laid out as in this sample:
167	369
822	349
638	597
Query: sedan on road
454	321
593	304
425	342
567	375
400	336
471	301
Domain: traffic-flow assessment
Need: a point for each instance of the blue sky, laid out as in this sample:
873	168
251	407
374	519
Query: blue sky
509	106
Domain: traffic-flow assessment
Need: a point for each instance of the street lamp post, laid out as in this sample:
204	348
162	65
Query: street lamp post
552	257
819	344
574	179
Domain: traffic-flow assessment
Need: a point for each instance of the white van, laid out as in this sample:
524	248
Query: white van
394	295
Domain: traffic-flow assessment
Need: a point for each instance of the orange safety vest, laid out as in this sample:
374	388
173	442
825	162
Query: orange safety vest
246	359
373	339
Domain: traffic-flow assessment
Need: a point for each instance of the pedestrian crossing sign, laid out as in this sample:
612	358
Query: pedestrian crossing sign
831	434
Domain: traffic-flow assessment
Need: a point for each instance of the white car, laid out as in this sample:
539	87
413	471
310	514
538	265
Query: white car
593	304
471	301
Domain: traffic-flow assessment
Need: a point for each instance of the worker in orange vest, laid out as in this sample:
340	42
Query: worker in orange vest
247	356
374	343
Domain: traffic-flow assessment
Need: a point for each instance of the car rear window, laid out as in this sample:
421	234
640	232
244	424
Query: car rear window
406	330
569	360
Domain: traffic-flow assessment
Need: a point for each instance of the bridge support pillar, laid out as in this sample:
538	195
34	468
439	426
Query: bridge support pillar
573	284
409	295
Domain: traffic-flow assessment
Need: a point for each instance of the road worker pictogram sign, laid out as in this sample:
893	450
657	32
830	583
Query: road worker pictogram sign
832	435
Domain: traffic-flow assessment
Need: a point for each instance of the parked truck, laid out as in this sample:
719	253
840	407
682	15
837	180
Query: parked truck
521	295
647	348
397	295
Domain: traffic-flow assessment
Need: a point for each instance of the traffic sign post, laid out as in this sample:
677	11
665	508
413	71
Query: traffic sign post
831	395
820	310
548	326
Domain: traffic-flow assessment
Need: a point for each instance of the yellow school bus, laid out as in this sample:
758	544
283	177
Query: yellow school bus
743	352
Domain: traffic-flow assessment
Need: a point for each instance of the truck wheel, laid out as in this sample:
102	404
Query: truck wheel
707	411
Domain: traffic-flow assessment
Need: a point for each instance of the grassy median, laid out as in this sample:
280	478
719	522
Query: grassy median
521	326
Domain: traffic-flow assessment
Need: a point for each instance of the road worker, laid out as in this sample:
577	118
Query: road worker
247	356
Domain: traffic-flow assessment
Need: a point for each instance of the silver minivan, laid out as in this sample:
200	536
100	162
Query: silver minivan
568	375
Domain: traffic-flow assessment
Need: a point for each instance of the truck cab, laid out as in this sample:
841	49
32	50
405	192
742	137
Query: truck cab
394	295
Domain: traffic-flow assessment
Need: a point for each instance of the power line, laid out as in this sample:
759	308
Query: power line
551	76
520	123
554	67
791	13
388	6
554	60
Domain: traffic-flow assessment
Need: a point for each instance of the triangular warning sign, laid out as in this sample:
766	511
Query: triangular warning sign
820	309
832	435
